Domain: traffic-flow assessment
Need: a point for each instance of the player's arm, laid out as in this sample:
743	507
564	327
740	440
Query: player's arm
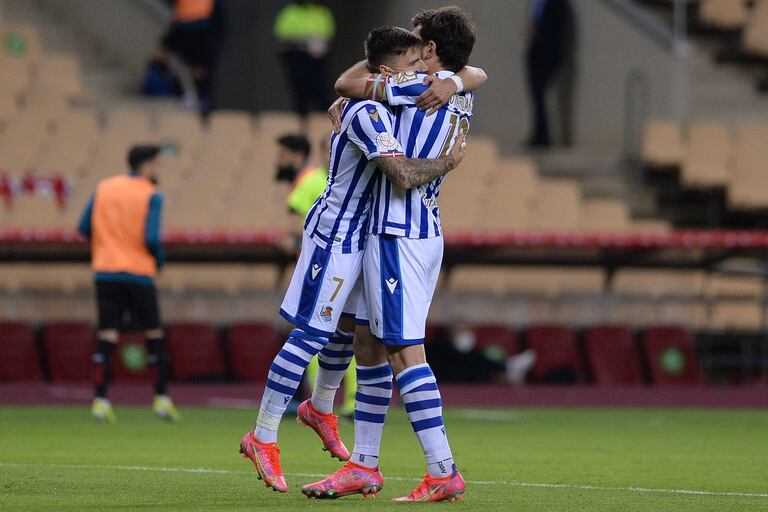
407	173
353	82
440	90
152	237
84	227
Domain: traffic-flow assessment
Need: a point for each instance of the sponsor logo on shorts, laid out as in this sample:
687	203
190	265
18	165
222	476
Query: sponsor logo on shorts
316	270
326	313
391	284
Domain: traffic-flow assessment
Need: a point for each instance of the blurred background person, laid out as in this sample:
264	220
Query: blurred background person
550	25
122	220
305	30
191	38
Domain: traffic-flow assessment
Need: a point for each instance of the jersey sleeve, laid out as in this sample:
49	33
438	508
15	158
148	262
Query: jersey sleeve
371	130
152	237
404	88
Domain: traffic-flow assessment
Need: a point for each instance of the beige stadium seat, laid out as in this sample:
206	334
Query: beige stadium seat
20	41
708	156
748	187
658	283
23	140
508	198
15	75
59	277
735	315
649	226
755	34
182	129
229	130
557	206
272	125
197	277
662	144
58	73
608	215
719	286
260	277
37	212
724	14
540	281
73	142
482	160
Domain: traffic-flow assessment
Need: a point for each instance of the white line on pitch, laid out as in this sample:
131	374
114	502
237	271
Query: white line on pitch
211	471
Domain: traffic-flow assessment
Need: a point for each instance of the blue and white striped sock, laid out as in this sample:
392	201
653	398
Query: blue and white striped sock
284	378
374	392
333	360
424	406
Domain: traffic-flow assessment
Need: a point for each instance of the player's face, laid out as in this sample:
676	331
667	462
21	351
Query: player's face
409	61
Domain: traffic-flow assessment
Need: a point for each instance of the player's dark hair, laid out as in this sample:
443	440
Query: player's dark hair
453	33
139	154
295	142
385	42
422	15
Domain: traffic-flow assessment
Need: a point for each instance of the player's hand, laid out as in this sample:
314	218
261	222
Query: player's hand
458	151
334	113
439	92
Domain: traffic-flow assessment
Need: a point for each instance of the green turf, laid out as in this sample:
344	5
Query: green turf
613	450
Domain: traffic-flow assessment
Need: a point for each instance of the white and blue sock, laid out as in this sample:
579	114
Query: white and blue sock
333	359
374	392
284	378
424	406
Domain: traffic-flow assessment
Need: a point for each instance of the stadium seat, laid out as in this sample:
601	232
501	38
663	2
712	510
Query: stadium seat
755	34
488	336
557	206
670	356
130	364
508	198
735	303
557	355
195	351
605	215
707	157
723	14
58	74
19	360
612	356
662	144
250	349
68	348
748	187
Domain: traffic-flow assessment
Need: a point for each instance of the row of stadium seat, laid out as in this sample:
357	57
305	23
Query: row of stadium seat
578	297
751	18
609	355
709	155
228	166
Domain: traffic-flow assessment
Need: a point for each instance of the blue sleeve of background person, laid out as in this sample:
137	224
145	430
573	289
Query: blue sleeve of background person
84	226
152	236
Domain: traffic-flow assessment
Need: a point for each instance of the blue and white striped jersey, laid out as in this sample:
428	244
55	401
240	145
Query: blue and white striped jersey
414	213
338	221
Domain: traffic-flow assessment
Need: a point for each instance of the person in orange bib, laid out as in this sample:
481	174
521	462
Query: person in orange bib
122	222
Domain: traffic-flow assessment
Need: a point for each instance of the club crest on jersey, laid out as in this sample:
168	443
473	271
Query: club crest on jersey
374	114
326	313
386	142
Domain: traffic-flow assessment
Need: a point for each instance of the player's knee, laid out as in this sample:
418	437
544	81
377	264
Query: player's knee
346	324
402	358
368	350
108	335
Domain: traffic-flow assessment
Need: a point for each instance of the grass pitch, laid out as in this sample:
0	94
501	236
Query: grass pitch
517	460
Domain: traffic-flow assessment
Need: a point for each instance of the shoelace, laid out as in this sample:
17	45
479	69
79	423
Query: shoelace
330	427
422	488
273	454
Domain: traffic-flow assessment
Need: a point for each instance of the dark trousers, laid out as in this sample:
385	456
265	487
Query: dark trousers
542	65
308	80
